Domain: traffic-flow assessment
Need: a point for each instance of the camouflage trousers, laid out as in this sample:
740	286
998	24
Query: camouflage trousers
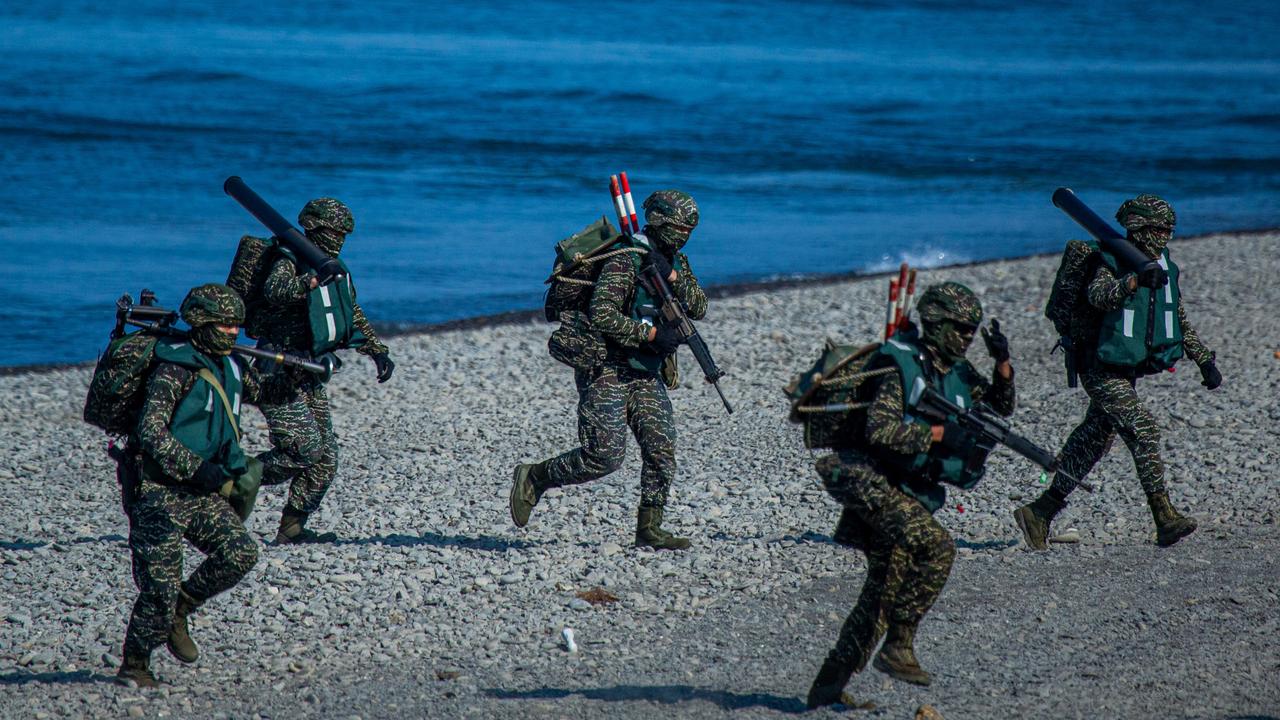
612	399
909	554
160	517
304	447
1114	409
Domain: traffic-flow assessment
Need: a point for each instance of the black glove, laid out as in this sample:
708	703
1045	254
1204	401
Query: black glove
661	264
955	439
997	343
1152	276
385	366
666	340
209	477
1212	378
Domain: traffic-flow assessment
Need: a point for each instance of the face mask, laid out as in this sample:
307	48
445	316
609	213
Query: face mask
669	236
209	340
330	241
1149	240
951	340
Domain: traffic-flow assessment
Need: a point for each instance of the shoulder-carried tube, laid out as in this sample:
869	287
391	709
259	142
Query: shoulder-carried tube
326	268
1113	242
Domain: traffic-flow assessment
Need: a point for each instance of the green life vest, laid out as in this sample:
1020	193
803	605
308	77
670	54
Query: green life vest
1145	333
645	309
919	475
331	312
200	421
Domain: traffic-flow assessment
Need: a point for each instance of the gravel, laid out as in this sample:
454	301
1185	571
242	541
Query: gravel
433	604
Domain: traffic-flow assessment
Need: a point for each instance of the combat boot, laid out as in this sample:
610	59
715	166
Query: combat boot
293	530
897	658
649	532
180	644
828	687
136	670
1034	519
527	484
1171	526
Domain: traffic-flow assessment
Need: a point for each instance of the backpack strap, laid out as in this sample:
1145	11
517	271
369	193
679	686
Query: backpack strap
208	376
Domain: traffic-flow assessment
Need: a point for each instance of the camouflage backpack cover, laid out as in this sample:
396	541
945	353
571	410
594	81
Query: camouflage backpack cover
118	386
579	258
829	399
249	271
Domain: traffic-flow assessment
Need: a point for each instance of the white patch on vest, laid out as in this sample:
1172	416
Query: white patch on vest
176	345
324	296
235	368
333	329
208	407
1168	287
1128	323
960	401
917	391
1168	324
900	346
235	407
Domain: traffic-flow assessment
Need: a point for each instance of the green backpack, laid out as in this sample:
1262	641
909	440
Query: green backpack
1071	314
830	399
249	271
118	386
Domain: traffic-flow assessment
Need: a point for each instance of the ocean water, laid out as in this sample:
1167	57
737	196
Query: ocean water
469	137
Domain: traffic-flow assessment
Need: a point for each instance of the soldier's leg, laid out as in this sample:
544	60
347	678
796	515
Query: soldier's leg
296	441
650	417
156	526
216	531
602	432
310	485
1136	426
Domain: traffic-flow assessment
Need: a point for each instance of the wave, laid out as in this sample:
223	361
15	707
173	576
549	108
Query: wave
183	75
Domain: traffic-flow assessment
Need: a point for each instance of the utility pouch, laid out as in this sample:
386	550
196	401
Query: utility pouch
575	343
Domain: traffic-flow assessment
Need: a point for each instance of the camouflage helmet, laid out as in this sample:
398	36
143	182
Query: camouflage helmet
327	212
212	304
671	207
949	301
1146	211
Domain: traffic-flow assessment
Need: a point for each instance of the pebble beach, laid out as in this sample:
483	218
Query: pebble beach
432	604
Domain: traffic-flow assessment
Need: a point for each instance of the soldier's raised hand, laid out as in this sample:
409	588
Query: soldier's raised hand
385	367
997	343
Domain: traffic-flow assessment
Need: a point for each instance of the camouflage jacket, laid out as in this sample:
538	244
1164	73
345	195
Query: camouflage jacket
285	321
1107	292
614	291
168	385
887	429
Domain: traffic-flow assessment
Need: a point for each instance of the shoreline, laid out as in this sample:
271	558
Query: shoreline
715	292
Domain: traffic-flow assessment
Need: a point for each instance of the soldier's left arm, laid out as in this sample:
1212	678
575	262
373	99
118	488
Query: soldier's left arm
690	292
1191	342
372	345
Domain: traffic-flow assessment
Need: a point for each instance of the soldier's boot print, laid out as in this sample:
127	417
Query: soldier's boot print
897	658
1035	517
527	484
1171	526
849	530
180	644
649	532
293	530
135	671
828	686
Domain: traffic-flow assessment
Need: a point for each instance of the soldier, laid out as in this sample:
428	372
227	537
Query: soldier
1111	369
627	389
302	317
889	483
181	463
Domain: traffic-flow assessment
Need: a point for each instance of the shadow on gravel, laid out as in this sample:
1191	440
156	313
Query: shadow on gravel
985	544
33	545
491	544
1253	717
79	677
664	694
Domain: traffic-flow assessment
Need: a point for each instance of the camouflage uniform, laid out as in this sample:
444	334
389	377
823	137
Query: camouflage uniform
909	554
301	427
616	395
166	501
1114	406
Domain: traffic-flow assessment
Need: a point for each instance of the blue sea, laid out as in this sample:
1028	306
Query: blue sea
468	138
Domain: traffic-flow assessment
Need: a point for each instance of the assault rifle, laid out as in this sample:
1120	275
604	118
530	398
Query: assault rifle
158	320
327	269
987	428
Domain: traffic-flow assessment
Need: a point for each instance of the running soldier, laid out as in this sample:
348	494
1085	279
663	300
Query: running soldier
181	464
627	390
1114	360
889	480
304	318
